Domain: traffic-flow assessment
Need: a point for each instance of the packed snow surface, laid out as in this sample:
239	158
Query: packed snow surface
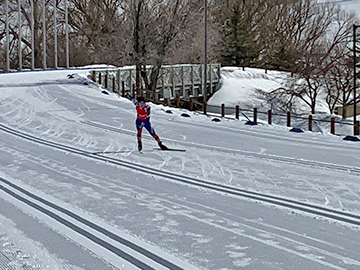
64	205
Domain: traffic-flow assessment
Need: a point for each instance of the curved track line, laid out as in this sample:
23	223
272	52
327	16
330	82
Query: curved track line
310	163
37	205
267	198
269	135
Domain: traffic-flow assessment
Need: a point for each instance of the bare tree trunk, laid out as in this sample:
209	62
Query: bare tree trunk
137	45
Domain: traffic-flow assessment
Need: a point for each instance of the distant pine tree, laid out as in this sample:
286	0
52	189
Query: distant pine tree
238	47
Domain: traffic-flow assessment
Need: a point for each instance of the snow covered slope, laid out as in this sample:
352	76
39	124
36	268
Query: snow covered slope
222	204
239	87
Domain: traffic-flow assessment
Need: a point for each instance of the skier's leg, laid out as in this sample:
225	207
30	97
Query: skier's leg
139	140
150	129
155	136
139	127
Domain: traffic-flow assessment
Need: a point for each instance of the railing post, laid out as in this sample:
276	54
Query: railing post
123	88
255	115
205	108
100	78
153	93
192	81
113	85
269	117
310	123
237	110
201	72
191	105
173	84
131	83
211	79
161	79
177	101
118	82
288	119
183	81
93	76
332	125
222	110
106	80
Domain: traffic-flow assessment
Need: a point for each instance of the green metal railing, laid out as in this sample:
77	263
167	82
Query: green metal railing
175	81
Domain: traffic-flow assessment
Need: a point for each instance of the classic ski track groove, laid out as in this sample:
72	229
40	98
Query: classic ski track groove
334	214
271	136
57	212
311	163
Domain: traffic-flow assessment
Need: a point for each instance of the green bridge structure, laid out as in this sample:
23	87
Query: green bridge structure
176	82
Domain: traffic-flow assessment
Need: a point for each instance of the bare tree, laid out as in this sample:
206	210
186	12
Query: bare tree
320	31
26	42
339	83
99	31
280	99
156	24
26	31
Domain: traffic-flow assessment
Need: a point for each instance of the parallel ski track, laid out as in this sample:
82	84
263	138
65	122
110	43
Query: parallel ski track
333	214
152	256
270	135
310	163
42	206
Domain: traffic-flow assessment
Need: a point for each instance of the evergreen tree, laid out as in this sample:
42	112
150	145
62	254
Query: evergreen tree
238	47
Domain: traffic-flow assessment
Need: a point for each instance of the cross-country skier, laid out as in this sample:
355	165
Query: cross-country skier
143	121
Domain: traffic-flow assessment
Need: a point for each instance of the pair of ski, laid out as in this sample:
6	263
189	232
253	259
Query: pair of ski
126	151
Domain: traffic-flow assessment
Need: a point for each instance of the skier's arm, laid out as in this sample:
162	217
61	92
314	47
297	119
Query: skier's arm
147	109
129	96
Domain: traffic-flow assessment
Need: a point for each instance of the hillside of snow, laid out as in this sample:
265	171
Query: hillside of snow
240	87
75	194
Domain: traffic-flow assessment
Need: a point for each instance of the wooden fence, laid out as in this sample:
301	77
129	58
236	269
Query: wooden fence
288	116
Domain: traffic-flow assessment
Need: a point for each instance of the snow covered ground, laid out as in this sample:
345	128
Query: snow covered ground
240	197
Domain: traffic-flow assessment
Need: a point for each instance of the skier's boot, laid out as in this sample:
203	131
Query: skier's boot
139	146
163	147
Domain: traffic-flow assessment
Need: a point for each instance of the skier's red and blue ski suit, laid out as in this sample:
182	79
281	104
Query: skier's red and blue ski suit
143	119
